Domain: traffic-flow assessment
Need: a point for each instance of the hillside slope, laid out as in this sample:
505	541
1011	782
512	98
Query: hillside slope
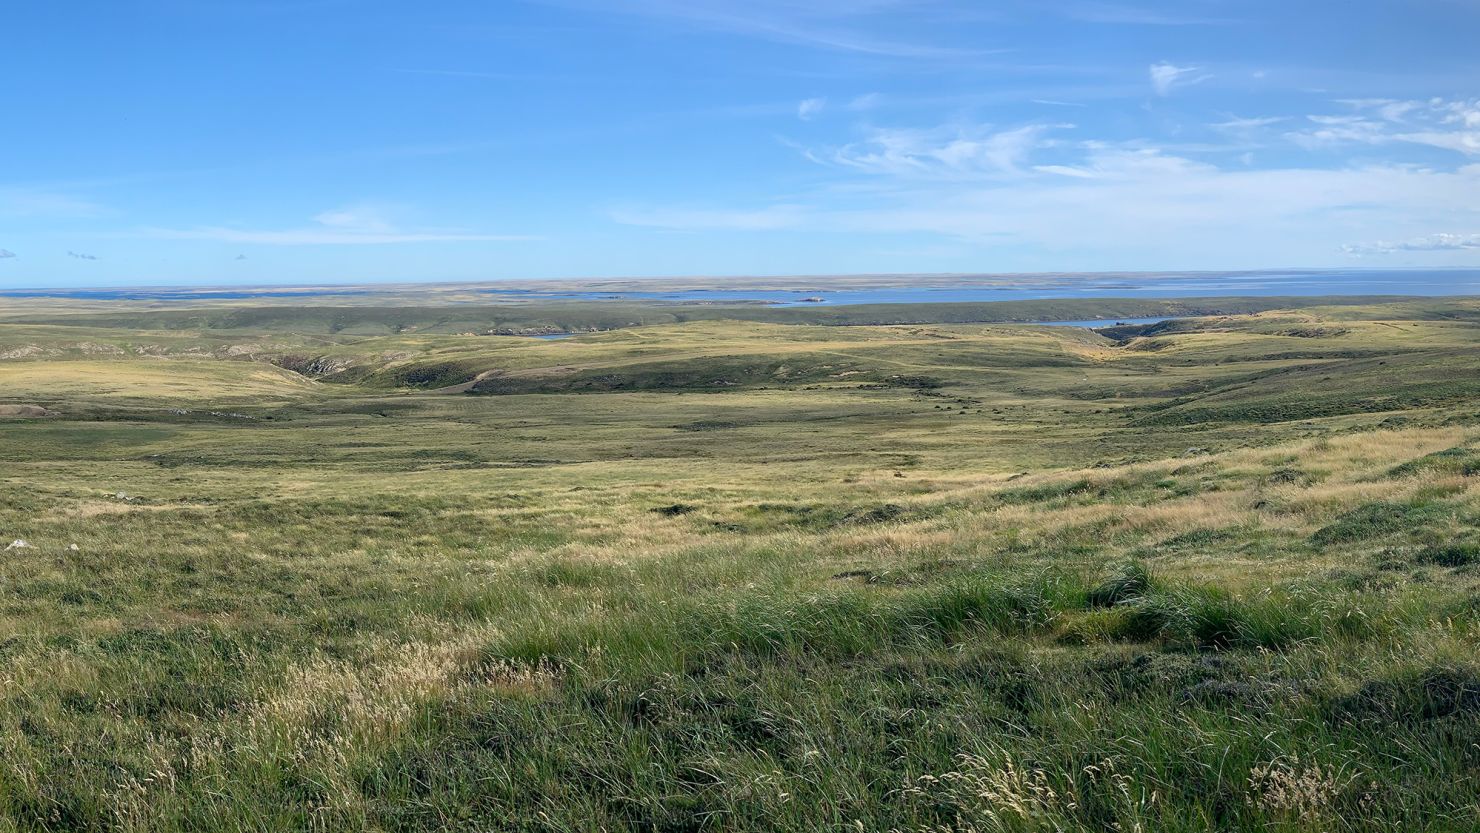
1213	574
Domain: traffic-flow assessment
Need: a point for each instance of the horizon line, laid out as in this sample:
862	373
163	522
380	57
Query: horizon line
433	283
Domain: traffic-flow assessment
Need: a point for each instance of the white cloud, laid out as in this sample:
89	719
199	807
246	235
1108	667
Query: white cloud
363	224
1389	109
6	254
1234	124
1125	164
1446	124
810	107
1430	243
1331	130
955	151
1107	205
1066	170
1165	77
1462	141
369	219
1175	207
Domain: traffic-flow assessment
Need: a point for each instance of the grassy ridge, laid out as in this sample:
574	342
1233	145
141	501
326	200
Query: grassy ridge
1219	574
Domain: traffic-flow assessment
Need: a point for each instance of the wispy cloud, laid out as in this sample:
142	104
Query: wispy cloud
1127	165
1127	207
459	73
1095	201
357	225
1135	15
678	218
1441	123
810	107
1329	130
362	218
1235	124
39	202
1389	109
1166	77
1430	243
6	254
321	237
81	256
825	24
950	151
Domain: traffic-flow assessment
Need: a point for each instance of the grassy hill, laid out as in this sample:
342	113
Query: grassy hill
742	572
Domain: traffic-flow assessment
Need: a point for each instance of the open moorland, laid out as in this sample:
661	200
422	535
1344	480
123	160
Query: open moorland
905	568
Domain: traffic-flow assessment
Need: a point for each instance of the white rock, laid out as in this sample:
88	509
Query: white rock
73	547
18	544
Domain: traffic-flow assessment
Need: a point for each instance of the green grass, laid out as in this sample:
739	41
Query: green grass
742	575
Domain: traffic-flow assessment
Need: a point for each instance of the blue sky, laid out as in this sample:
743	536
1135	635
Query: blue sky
291	141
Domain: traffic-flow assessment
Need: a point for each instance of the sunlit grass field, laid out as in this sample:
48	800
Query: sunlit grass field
1221	573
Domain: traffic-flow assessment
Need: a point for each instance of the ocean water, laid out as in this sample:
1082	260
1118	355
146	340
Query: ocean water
1431	282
